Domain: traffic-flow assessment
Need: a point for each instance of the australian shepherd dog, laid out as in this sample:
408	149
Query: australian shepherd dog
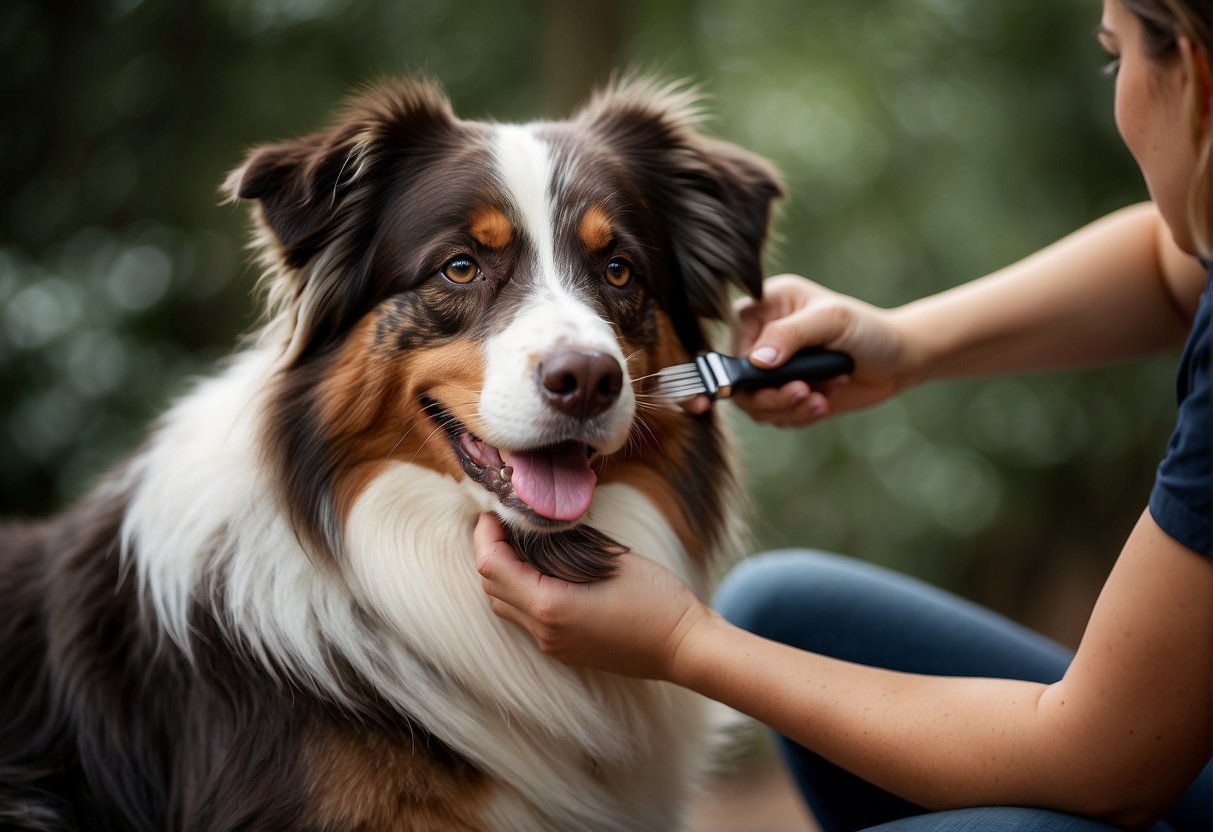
269	617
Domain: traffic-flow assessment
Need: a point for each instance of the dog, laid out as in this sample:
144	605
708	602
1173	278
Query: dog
269	616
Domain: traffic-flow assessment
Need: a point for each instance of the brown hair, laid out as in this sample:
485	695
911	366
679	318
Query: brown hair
1163	23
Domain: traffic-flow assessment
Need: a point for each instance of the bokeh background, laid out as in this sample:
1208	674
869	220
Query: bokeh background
923	142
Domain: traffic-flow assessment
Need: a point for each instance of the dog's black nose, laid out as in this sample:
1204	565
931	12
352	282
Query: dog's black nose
579	383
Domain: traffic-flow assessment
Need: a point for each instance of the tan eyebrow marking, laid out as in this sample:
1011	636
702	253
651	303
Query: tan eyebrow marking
595	228
490	227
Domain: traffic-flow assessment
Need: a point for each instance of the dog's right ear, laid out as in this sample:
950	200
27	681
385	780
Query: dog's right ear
305	186
291	181
324	192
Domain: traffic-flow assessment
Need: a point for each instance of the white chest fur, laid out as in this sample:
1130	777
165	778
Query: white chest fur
591	749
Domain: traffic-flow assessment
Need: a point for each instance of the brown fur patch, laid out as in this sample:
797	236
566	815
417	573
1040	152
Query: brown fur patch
366	781
370	406
654	483
353	392
490	227
595	228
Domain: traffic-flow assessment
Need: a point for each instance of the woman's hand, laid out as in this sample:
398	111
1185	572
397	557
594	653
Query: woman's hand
794	313
632	623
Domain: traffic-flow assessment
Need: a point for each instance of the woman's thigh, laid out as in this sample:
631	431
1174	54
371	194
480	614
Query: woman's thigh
851	610
997	819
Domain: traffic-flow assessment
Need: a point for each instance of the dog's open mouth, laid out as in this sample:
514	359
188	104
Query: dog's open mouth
550	485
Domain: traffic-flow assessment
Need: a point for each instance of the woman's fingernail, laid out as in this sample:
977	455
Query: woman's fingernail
764	355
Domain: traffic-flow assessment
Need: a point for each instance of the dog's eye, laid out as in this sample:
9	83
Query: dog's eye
619	272
460	269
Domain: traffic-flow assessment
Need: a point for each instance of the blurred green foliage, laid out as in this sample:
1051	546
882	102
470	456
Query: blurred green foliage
924	142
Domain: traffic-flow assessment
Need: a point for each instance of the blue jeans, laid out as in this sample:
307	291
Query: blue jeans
861	613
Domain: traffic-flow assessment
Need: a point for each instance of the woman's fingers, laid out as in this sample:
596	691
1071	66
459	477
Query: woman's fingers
794	404
697	405
505	576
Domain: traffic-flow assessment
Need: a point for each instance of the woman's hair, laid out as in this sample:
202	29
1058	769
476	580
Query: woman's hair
1163	22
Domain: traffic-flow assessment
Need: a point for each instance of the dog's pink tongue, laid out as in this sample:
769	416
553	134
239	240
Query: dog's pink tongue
557	484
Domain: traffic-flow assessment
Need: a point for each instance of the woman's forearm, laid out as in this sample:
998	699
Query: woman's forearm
890	728
1114	290
939	742
1118	738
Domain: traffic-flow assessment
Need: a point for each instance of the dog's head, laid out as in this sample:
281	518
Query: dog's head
487	300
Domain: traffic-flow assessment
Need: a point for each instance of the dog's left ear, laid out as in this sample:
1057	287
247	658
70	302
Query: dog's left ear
714	197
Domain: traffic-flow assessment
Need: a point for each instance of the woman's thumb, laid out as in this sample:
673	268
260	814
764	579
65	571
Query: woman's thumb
781	338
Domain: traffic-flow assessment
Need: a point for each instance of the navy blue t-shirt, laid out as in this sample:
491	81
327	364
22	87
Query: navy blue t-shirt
1182	500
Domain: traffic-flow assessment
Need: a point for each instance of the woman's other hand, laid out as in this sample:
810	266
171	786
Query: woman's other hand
632	623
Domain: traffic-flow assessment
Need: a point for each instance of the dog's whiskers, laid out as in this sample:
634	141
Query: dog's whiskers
425	441
647	428
644	377
419	420
400	441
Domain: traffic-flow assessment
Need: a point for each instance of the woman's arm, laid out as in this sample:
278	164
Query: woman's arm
1119	737
1116	289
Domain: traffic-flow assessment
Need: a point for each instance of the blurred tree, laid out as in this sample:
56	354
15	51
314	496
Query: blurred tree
584	40
924	142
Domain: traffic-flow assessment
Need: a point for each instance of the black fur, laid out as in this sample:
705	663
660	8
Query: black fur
107	728
712	198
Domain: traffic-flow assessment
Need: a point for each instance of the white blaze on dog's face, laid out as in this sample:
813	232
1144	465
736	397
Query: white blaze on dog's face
556	383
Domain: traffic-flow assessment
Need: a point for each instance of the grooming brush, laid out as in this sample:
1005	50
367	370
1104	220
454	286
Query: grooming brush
719	376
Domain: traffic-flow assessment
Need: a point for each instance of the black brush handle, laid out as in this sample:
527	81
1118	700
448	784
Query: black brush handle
810	364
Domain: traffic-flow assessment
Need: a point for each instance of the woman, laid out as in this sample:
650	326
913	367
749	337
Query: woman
893	698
